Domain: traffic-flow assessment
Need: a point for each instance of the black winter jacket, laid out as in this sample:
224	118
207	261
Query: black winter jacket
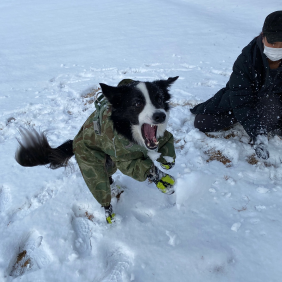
249	81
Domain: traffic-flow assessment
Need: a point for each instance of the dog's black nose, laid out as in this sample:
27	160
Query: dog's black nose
159	117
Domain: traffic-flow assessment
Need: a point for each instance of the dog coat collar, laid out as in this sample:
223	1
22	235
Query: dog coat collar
101	104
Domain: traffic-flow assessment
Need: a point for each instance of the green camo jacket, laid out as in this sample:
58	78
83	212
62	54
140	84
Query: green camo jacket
99	156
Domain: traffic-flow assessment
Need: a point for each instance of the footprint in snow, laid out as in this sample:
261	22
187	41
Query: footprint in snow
35	202
215	258
262	190
143	216
33	255
118	262
5	198
81	223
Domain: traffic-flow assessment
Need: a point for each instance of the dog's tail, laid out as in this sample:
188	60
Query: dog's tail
35	150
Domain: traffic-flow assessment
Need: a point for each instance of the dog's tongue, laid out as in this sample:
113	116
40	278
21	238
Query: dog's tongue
150	131
149	135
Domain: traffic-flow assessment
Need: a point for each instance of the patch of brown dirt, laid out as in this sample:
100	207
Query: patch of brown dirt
90	96
216	155
211	135
176	141
118	195
230	135
22	263
252	159
21	256
26	264
89	216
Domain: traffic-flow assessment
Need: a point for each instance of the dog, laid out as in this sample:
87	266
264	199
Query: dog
126	132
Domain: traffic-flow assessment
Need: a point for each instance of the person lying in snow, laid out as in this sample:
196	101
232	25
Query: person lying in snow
253	94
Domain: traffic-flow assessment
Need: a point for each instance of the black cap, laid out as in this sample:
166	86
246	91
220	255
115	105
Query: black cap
272	27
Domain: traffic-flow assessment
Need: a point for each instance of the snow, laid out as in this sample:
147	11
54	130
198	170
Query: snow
222	223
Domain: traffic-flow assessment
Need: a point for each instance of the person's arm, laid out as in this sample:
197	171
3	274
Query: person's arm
243	97
243	100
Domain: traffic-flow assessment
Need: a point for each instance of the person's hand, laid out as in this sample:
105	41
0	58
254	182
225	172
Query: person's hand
260	146
261	151
164	182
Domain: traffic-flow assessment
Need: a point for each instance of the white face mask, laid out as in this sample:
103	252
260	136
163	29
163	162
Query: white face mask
273	54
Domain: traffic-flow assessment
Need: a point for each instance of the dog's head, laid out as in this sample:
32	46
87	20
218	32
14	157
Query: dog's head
140	110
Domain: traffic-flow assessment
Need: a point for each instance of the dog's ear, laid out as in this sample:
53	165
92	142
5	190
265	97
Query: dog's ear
112	93
165	84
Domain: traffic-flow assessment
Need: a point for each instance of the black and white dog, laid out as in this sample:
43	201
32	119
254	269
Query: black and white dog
140	113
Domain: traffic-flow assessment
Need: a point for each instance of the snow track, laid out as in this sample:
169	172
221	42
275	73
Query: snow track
118	262
35	202
5	198
81	225
33	255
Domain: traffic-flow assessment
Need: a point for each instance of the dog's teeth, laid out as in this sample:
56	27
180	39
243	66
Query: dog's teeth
157	142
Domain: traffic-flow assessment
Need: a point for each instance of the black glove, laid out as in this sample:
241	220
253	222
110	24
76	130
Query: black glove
164	182
260	146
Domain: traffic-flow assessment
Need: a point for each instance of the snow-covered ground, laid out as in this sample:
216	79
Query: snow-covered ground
224	221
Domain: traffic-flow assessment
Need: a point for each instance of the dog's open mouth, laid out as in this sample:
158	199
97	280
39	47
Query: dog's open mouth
149	134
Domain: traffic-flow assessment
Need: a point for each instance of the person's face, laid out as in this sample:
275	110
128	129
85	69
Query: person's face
271	45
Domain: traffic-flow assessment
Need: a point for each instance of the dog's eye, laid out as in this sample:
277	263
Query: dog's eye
138	104
159	100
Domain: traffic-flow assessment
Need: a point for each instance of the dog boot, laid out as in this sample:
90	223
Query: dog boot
110	216
164	182
167	165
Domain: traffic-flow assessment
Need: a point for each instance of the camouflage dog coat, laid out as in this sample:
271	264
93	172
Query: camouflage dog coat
100	151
